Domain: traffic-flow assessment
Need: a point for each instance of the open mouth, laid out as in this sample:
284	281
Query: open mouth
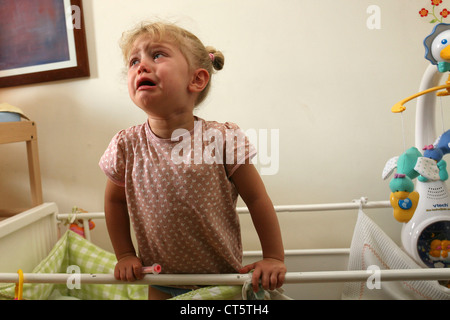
145	83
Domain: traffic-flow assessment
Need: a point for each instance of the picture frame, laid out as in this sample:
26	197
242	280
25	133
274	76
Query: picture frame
48	45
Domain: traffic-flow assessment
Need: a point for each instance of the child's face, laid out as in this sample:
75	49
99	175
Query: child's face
159	77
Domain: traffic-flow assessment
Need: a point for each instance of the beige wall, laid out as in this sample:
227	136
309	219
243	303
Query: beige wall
311	69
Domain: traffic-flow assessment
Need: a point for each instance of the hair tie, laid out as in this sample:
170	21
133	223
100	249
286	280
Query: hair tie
212	57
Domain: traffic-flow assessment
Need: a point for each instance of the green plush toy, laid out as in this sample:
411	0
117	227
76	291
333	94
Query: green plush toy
403	198
405	171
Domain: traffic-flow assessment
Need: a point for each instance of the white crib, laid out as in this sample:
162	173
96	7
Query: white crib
28	237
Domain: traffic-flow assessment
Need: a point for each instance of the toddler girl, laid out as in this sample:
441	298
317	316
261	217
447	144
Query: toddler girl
178	177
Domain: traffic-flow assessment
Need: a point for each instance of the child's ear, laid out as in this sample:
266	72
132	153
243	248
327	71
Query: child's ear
199	81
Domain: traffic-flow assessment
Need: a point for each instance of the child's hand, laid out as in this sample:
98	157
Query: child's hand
270	271
128	268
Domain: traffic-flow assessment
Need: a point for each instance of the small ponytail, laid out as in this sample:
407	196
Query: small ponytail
217	58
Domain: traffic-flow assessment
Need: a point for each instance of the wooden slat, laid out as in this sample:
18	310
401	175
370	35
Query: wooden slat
35	172
17	131
25	131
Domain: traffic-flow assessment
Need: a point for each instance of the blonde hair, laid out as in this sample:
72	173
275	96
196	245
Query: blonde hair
196	54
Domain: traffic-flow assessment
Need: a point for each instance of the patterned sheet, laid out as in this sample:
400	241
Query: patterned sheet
73	250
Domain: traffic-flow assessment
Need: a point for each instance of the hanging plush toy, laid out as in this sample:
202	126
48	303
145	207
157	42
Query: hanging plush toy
403	198
436	152
76	225
410	165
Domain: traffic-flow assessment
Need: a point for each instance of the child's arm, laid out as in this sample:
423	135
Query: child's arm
128	267
271	269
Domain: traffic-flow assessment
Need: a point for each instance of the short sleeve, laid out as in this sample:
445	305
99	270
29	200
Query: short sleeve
112	162
238	148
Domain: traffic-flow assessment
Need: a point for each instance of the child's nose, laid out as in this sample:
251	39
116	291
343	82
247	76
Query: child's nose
144	67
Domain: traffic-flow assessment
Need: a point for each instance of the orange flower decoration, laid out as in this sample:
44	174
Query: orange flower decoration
434	17
423	12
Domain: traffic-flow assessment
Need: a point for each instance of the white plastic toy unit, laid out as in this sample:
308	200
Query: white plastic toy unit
425	212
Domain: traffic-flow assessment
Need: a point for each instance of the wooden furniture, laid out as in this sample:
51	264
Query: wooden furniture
25	131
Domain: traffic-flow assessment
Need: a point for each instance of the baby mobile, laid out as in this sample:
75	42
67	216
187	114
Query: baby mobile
425	213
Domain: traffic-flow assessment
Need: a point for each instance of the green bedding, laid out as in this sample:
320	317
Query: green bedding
73	250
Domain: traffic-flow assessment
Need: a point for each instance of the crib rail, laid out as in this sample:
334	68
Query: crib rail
355	204
236	279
